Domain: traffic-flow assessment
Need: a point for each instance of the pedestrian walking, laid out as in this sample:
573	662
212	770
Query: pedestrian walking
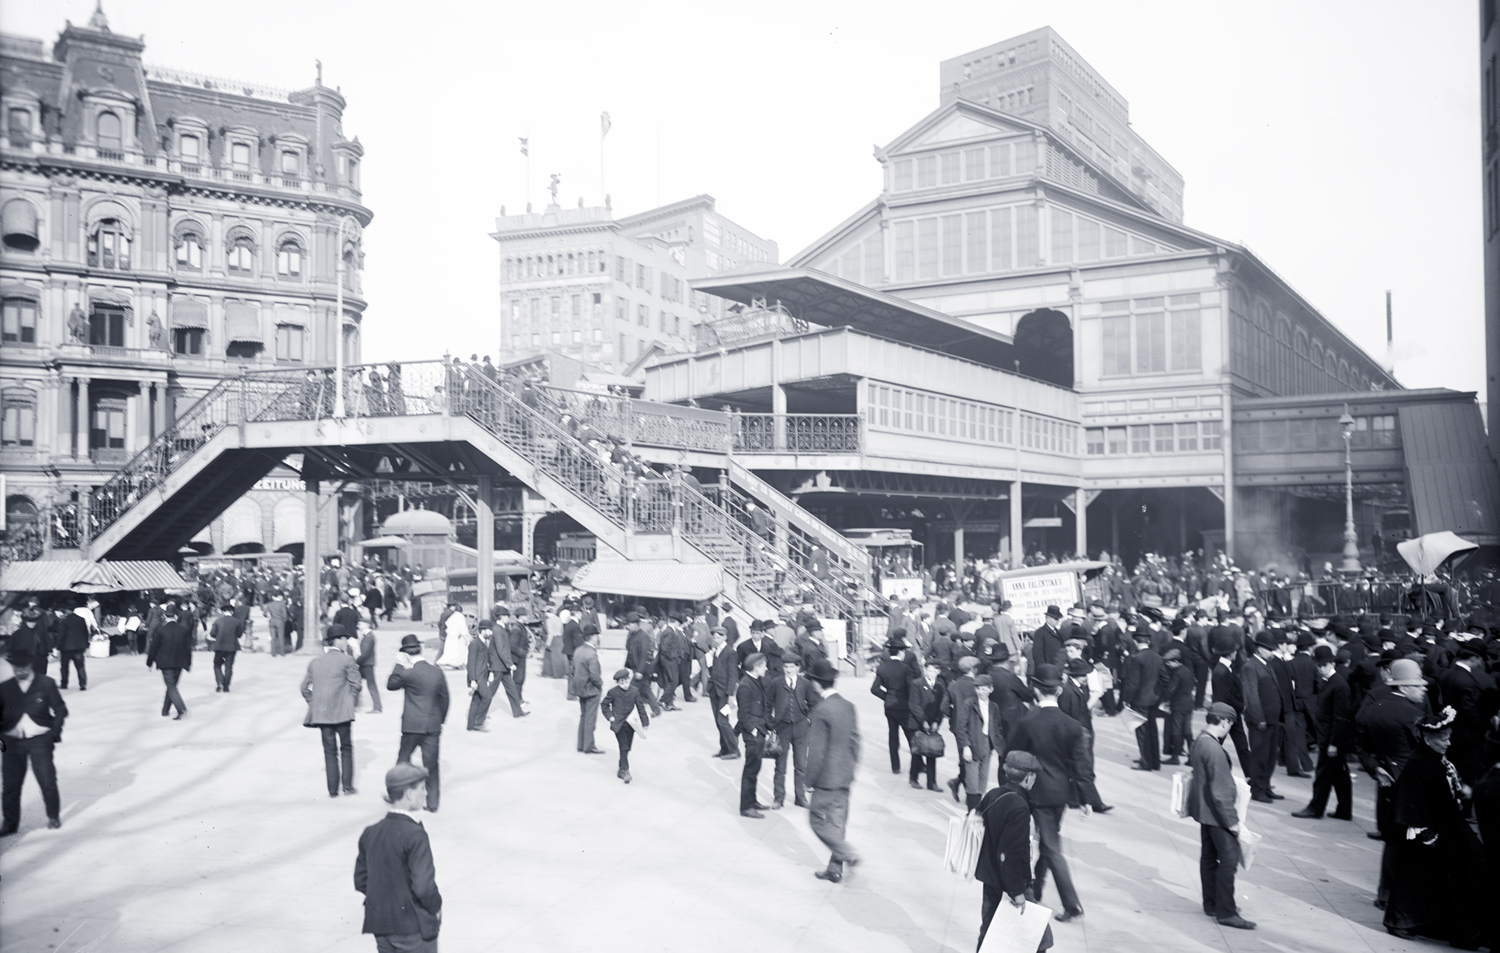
621	703
396	873
754	703
892	685
793	699
425	710
171	652
925	704
1179	688
33	634
1142	672
1059	745
586	683
482	673
74	633
1004	861
31	723
1335	733
365	663
331	690
1211	802
277	616
224	639
832	754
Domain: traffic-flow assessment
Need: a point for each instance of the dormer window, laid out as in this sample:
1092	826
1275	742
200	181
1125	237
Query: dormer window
291	162
108	133
239	157
190	148
18	125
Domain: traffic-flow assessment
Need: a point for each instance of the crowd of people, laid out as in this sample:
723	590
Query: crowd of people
1412	703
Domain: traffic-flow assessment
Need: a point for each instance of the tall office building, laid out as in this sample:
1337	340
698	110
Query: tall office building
608	291
1039	77
161	231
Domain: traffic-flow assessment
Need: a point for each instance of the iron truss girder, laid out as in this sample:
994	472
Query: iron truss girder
915	485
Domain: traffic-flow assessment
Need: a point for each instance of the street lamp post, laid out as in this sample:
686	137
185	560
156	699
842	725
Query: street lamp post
1351	539
338	317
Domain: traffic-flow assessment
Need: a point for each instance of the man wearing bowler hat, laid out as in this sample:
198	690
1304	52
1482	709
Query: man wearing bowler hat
31	724
1143	683
1262	716
1047	640
1335	733
395	872
33	634
1061	749
425	710
832	754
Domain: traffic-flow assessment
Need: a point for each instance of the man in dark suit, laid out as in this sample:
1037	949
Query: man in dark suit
425	710
515	640
1227	689
759	642
33	635
224	639
1011	698
966	719
1073	700
1262	716
1210	802
1293	743
1143	671
753	700
365	660
586	683
723	670
793	697
1199	655
832	754
73	633
482	673
172	653
640	658
674	660
927	703
1305	689
1178	685
1047	640
1059	745
346	615
31	723
395	872
1004	862
1335	725
891	685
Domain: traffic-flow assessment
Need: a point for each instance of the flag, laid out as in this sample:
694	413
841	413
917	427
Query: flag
524	141
604	124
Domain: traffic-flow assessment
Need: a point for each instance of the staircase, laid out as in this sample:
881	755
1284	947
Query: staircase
200	465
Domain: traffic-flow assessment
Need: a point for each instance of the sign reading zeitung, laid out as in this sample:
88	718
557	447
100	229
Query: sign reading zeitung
1031	595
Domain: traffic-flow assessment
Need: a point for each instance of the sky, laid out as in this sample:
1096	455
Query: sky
1284	117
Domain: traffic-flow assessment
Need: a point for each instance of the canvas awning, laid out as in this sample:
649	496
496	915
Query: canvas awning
111	296
651	578
291	314
189	312
383	541
1426	553
242	323
83	576
18	224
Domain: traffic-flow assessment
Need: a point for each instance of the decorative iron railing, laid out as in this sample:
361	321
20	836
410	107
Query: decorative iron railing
798	433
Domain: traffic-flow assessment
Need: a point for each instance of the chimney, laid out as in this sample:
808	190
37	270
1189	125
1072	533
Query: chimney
1390	337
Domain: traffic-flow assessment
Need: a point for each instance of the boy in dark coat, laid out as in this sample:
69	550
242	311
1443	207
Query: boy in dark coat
1004	863
395	872
1180	687
617	706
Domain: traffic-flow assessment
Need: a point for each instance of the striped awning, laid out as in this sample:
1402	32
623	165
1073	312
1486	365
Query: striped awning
18	224
83	576
189	312
651	578
291	314
112	296
242	323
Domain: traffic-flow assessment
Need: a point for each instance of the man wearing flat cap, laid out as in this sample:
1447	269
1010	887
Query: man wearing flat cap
1061	749
1004	861
395	870
1211	802
425	710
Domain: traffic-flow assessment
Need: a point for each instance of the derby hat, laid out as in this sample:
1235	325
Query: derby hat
411	645
1047	676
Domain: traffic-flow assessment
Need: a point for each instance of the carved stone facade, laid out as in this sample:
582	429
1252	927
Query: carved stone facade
161	231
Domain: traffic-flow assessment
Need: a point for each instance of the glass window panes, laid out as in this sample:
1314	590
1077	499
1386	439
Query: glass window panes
926	172
902	178
290	340
241	255
1116	345
289	260
1213	435
188	148
1140	438
950	167
1187	438
1094	441
1162	438
1115	441
973	164
239	156
1150	343
20	321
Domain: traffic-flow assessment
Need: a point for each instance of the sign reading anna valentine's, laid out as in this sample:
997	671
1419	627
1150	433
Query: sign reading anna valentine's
1031	595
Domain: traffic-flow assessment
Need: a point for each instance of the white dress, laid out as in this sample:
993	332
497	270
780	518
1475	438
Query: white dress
456	646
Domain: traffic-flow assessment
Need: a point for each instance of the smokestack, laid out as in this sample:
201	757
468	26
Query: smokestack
1390	337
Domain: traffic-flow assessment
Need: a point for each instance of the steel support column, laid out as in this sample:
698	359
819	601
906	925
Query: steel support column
1081	523
1017	545
485	543
312	571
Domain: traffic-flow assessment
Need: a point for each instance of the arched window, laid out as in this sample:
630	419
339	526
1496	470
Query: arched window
1263	350
239	157
1344	372
239	256
1240	334
19	422
189	245
108	136
289	258
109	245
351	265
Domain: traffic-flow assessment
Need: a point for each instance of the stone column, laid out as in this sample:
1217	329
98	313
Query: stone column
1017	544
312	602
130	428
1081	523
484	574
81	451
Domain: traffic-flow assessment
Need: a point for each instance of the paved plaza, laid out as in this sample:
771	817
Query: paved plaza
216	833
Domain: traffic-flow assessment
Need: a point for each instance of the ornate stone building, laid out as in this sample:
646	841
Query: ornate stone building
161	231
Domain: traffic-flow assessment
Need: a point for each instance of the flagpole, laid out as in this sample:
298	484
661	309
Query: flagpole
604	127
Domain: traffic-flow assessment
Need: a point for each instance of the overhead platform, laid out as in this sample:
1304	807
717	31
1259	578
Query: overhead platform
820	298
651	578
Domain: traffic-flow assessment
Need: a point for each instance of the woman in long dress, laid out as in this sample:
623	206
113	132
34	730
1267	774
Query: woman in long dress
1436	888
456	647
